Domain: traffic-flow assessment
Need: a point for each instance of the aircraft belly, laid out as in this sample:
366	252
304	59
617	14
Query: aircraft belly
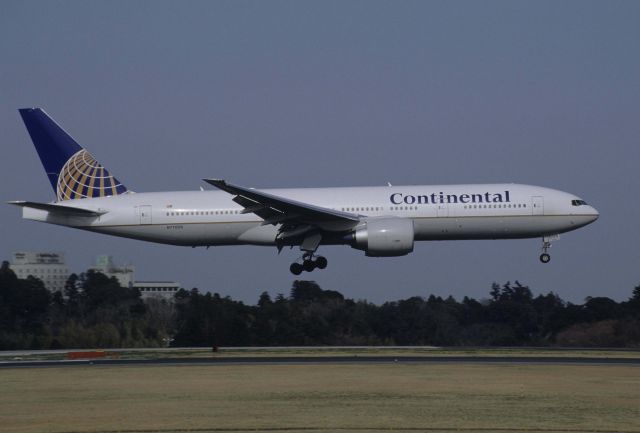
491	227
259	235
193	234
430	228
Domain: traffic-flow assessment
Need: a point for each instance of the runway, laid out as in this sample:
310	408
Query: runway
297	360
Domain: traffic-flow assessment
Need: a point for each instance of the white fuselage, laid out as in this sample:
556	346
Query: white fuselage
441	212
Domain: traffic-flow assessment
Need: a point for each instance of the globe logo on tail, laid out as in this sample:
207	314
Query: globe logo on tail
82	176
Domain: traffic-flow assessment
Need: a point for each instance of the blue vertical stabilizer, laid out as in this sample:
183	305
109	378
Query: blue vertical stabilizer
72	171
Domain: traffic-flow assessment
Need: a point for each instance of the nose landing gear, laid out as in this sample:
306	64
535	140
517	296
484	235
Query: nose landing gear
546	244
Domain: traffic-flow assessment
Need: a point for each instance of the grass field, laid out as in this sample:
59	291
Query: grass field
321	397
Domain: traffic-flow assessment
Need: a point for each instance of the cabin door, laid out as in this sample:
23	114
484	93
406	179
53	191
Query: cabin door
537	205
145	214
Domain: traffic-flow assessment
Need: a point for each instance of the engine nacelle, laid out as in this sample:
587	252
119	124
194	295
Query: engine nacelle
384	237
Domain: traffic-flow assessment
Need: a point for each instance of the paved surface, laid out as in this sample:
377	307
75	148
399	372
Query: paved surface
274	349
288	360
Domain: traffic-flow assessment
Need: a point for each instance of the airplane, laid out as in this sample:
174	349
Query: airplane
382	221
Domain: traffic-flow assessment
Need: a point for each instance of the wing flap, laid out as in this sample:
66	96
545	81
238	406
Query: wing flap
252	206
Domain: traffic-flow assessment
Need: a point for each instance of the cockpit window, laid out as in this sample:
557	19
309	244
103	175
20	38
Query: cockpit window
578	203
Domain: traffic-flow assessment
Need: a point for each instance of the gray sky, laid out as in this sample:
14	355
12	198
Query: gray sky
332	93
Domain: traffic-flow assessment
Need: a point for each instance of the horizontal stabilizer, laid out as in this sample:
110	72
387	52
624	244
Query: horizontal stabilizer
58	209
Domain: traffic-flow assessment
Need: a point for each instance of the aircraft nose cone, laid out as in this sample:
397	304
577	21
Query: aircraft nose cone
593	214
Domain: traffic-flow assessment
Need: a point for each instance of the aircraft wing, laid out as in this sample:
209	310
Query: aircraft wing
59	209
275	209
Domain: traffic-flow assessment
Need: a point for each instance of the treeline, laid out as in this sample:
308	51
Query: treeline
95	311
512	316
92	311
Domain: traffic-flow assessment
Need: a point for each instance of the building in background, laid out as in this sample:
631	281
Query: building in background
126	277
52	270
157	289
105	265
49	267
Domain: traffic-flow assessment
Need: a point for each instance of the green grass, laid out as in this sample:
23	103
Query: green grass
321	397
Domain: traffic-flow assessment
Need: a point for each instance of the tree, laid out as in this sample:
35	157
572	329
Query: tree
601	308
309	291
265	300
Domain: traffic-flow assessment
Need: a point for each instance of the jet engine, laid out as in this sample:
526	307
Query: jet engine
384	237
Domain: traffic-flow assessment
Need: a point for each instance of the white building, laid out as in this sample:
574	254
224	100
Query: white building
48	267
125	275
52	270
157	289
106	266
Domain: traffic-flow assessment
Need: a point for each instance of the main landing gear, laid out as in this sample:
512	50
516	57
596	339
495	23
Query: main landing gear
308	264
309	246
546	244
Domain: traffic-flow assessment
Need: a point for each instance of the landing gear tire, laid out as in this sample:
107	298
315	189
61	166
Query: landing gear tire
321	262
296	268
310	262
545	258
